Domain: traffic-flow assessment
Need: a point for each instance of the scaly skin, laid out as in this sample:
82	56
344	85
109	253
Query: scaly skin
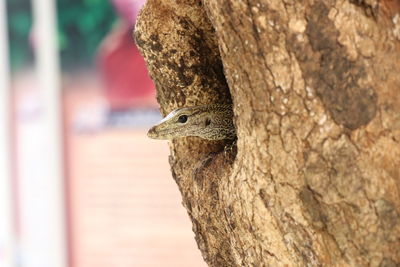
212	122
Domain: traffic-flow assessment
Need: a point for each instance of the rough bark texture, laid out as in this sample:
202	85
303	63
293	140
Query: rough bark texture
314	178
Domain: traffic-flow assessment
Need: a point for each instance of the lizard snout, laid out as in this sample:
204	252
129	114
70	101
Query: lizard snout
152	133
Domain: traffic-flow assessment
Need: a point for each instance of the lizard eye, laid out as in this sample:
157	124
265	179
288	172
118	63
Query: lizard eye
182	118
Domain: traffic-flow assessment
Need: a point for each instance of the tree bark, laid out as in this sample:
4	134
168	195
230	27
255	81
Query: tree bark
314	177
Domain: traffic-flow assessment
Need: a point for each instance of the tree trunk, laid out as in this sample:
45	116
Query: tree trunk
314	177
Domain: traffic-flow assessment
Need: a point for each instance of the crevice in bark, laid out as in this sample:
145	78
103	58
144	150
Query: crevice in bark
371	7
181	50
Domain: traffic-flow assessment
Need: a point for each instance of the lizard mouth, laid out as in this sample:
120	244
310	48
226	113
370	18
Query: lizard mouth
155	133
163	134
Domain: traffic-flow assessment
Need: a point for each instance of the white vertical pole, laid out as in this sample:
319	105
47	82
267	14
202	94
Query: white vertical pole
7	233
50	251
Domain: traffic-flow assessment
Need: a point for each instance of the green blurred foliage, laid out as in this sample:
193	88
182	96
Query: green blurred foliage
19	23
82	24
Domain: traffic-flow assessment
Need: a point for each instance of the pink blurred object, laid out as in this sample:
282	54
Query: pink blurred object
128	9
123	70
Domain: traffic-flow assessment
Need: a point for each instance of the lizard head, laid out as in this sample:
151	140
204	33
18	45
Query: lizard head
181	122
212	122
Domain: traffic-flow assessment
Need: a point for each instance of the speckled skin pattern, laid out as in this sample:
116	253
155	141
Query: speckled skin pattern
212	122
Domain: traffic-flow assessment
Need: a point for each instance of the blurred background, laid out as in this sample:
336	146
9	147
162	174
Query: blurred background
80	183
